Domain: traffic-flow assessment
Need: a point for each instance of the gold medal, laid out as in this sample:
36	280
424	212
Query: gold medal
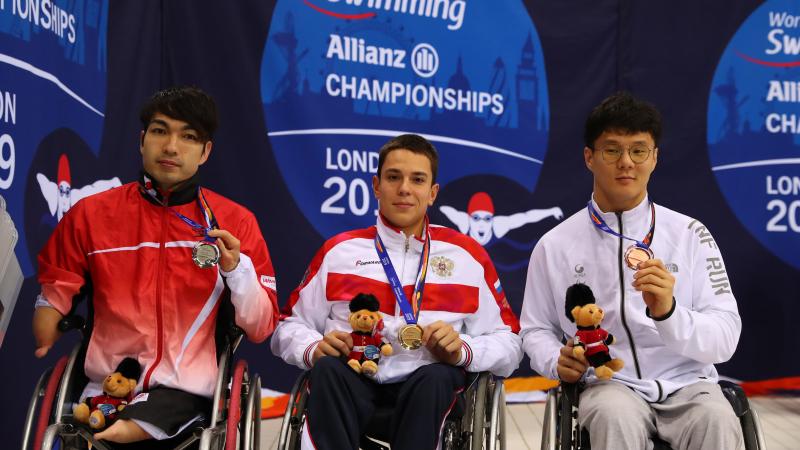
410	337
205	255
635	255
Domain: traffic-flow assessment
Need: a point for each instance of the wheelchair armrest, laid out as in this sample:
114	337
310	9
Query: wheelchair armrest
71	322
736	397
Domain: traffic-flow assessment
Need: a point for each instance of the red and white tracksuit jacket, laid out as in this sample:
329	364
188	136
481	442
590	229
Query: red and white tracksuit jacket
461	288
151	302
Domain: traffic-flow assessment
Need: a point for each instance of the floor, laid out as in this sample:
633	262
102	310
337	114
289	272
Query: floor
780	419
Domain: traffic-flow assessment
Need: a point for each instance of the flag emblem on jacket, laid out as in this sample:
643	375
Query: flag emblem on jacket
442	266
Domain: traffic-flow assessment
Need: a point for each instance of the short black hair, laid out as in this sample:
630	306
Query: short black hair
186	103
624	113
413	143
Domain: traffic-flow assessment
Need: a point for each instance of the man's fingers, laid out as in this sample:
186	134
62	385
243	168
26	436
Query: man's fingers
226	238
42	351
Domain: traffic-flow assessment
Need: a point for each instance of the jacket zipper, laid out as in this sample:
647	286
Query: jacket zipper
622	301
159	288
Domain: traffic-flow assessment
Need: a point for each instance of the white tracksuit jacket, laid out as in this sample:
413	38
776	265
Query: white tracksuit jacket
462	288
660	356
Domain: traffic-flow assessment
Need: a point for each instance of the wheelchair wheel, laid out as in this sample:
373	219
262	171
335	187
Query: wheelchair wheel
497	421
479	432
294	417
251	428
47	402
240	378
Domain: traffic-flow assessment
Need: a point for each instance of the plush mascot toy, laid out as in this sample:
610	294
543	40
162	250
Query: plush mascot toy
368	344
590	340
102	410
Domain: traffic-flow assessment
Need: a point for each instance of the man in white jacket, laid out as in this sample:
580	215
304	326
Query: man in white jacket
665	292
460	321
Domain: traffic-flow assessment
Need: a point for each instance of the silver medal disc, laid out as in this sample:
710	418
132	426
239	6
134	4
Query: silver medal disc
205	255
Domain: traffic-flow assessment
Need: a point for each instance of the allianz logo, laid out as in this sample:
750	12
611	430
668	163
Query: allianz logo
424	57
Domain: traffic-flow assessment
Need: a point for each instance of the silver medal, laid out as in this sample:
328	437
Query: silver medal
205	255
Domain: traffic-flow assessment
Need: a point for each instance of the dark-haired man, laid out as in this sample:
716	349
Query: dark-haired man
159	255
660	288
444	312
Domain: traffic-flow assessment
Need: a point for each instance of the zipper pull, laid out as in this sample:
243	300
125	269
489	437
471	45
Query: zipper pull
407	244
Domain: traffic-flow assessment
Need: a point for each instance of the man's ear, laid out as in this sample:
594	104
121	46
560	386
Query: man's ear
588	157
375	183
206	152
141	142
434	193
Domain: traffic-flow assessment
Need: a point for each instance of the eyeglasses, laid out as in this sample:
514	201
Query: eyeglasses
638	153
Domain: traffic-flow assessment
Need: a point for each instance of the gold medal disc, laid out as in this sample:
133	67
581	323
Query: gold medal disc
410	337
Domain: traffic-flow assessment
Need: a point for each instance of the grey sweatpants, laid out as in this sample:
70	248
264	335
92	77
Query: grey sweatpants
696	417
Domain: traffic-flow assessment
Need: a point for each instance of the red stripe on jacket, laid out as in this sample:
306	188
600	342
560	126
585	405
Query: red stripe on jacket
455	298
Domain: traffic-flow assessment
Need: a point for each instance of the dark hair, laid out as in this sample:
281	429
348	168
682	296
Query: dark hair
185	103
413	143
624	113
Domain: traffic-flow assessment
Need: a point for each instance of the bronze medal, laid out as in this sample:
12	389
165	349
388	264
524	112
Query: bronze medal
635	255
205	255
410	337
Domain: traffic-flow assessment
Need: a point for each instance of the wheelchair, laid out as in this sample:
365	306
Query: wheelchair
561	430
235	420
476	422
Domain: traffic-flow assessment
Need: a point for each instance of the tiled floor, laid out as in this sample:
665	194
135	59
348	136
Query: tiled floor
780	419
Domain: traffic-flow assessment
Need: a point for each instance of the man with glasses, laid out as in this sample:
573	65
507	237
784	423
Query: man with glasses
664	291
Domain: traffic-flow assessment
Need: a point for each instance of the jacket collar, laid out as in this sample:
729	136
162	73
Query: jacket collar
395	238
185	193
633	220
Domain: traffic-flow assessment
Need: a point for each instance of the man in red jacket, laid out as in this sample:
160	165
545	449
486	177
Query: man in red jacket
159	256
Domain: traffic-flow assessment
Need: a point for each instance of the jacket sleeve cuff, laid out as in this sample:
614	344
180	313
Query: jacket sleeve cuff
244	267
665	317
42	302
466	353
309	353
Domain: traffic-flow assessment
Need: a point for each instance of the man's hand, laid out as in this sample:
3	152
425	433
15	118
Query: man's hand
45	329
228	247
335	343
443	342
570	368
656	285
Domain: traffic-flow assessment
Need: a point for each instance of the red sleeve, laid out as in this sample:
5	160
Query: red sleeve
63	262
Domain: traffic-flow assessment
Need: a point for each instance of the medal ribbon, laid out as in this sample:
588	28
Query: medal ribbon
410	309
601	224
208	215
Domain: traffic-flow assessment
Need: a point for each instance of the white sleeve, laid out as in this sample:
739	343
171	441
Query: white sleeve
541	331
252	304
489	343
709	330
298	334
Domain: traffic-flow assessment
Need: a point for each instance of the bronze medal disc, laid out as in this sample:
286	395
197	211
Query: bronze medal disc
205	255
635	255
410	337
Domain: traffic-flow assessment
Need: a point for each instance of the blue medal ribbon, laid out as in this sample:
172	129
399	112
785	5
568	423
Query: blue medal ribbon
409	309
208	215
601	224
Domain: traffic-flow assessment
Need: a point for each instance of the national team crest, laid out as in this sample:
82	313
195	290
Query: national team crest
442	266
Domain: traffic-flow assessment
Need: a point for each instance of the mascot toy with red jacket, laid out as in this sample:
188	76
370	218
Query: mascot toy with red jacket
368	344
590	340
